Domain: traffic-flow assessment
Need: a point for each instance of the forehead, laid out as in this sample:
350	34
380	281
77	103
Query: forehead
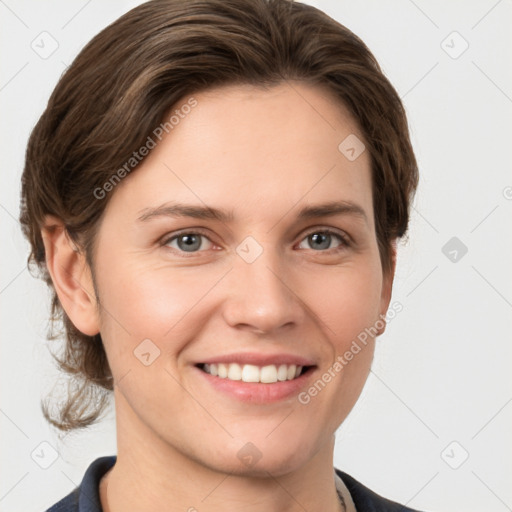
243	147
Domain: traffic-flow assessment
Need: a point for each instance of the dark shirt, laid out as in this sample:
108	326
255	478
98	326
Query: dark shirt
86	497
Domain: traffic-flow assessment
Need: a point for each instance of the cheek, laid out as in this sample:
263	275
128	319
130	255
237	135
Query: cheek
347	304
346	300
151	302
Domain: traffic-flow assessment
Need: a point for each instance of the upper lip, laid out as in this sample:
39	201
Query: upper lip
258	359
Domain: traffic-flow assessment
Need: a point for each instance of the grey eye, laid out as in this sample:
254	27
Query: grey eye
321	240
187	242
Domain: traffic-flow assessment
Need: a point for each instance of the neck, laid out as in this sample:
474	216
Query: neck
149	474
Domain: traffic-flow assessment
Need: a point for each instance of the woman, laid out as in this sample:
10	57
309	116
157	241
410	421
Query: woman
214	194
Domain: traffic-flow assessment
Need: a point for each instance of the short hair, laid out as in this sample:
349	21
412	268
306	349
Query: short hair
124	81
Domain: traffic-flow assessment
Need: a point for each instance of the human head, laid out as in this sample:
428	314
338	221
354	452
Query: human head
123	85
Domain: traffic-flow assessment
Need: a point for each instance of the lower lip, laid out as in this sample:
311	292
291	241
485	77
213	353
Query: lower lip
257	392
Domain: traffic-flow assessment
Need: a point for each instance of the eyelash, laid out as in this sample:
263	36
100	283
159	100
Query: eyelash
343	238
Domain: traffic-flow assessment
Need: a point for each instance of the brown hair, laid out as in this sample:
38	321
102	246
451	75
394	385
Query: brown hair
126	79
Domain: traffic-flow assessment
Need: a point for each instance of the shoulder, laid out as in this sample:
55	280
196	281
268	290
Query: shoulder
365	500
85	497
67	504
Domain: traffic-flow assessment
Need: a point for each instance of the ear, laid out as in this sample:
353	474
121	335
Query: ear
387	287
71	276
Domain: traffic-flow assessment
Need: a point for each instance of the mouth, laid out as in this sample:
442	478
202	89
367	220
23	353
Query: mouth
250	373
256	377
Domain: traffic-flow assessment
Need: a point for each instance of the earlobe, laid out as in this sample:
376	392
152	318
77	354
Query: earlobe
71	276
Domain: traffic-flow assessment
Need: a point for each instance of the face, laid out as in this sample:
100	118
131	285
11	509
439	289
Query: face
218	255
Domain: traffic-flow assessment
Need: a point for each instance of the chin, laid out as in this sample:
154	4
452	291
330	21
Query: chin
263	457
278	466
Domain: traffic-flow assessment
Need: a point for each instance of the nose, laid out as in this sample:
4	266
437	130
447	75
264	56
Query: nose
261	296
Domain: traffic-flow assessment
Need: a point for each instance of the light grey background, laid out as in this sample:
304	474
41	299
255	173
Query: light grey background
442	370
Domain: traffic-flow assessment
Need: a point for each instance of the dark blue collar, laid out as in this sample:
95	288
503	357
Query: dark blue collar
86	498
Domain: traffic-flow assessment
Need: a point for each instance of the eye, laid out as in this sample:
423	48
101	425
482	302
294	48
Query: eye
322	239
192	241
188	242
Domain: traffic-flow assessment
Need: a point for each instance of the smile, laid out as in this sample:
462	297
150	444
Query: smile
268	374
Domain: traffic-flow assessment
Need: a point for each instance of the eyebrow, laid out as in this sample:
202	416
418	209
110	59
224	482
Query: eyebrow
208	213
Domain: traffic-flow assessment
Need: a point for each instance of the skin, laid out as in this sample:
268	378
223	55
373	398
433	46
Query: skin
264	154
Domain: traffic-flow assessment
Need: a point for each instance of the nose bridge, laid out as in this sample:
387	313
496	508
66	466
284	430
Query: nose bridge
260	296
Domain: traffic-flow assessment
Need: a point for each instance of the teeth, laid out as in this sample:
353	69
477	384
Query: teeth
222	370
268	374
282	372
234	372
251	373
